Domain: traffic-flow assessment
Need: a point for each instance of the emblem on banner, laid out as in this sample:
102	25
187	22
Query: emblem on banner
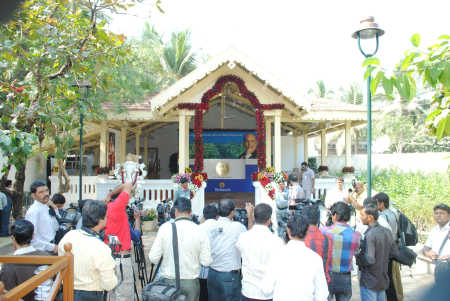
222	168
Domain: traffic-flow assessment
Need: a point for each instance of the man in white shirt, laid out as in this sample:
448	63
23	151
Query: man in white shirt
193	246
209	225
296	273
94	266
224	283
307	177
257	247
437	246
295	191
337	194
45	225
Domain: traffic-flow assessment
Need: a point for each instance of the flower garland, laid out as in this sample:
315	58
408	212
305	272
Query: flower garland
194	180
202	107
269	180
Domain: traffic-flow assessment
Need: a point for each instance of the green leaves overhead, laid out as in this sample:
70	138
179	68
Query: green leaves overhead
415	40
432	68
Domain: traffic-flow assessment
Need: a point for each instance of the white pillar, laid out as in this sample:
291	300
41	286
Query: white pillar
186	155
268	142
305	147
182	124
123	143
277	140
103	144
146	149
348	144
323	147
138	143
295	149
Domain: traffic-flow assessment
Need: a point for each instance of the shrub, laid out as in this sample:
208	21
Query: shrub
414	193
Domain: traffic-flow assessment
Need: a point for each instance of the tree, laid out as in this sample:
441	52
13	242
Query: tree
48	46
321	91
178	58
431	67
353	94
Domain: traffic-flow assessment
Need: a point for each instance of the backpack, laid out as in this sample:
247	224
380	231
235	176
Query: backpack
406	230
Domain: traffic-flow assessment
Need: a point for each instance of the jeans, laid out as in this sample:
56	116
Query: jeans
189	287
340	286
224	286
371	295
203	289
87	295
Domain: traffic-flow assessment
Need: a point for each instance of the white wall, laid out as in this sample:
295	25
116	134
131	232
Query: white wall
424	162
288	158
35	170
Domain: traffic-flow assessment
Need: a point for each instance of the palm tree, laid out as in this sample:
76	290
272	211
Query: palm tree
321	91
353	94
178	58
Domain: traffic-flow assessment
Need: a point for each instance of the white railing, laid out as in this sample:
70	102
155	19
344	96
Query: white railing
89	190
154	191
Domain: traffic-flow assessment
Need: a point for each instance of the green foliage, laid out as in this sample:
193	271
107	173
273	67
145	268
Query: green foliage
431	67
312	163
414	193
321	90
149	215
178	58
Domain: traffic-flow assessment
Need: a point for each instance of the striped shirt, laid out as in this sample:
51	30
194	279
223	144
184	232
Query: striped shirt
345	242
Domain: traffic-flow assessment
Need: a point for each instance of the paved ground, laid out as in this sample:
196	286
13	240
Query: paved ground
415	279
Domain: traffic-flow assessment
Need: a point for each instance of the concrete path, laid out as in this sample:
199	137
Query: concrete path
415	279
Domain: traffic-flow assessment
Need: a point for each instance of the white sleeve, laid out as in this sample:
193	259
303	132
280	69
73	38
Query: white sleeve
156	251
429	242
36	242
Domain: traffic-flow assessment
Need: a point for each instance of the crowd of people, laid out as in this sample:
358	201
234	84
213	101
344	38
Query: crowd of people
221	259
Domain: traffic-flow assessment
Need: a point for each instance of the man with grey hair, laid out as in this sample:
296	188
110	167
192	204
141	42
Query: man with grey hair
224	281
94	266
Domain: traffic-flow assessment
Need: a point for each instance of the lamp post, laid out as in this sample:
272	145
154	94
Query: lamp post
85	85
368	30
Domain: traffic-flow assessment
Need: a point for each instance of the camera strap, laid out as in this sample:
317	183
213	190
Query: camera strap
175	255
92	233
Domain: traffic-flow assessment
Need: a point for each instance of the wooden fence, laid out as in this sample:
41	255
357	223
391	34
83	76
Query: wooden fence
61	266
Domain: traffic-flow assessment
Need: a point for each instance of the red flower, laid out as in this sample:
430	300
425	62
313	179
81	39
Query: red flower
197	182
264	181
20	89
272	193
192	195
254	176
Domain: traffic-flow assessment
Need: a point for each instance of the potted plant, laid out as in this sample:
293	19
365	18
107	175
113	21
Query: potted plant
323	170
102	171
149	220
348	171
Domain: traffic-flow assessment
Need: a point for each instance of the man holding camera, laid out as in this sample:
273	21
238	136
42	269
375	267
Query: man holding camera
93	264
337	194
224	281
193	246
118	237
344	242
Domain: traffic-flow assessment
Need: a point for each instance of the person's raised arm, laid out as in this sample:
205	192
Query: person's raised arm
251	216
127	187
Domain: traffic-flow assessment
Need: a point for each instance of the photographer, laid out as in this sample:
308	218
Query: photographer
94	265
118	237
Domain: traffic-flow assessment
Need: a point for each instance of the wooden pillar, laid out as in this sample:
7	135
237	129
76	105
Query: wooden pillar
305	147
146	149
268	142
348	144
123	143
138	142
182	124
323	147
277	140
103	144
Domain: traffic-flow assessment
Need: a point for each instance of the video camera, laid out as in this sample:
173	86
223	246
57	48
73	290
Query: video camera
136	205
293	210
68	221
240	215
166	211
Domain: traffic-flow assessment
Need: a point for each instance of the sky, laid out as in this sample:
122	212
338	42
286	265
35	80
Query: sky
299	42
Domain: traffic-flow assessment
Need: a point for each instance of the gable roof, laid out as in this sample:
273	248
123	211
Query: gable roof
231	57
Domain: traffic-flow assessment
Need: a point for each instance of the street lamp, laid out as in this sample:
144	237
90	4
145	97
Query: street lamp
86	86
368	29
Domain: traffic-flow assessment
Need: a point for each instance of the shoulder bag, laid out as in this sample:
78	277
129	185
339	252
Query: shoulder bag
159	291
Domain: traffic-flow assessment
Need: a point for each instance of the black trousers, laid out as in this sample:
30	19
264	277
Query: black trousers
391	294
203	289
